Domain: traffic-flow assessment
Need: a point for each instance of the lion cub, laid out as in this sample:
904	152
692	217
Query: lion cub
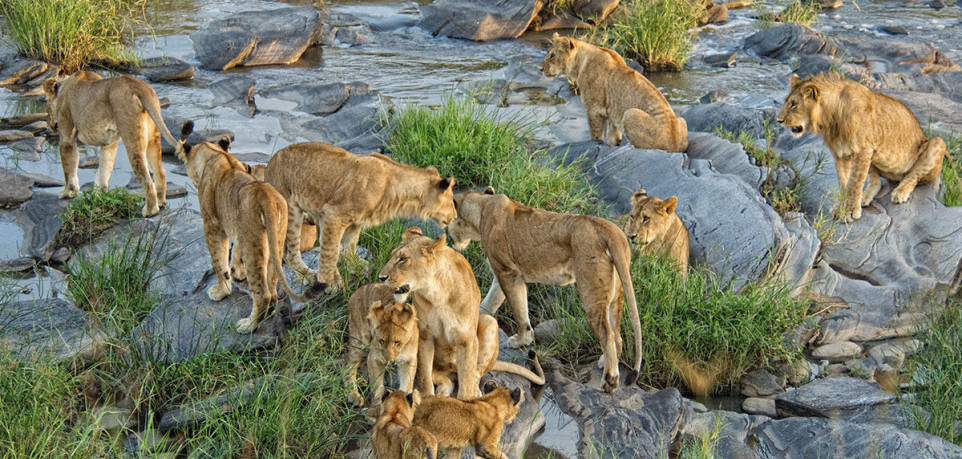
478	422
101	112
251	214
654	225
394	437
390	329
615	93
870	135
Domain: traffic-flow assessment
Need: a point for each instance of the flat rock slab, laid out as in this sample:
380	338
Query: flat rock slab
181	328
14	189
48	328
40	220
317	99
479	20
257	38
841	351
842	397
159	69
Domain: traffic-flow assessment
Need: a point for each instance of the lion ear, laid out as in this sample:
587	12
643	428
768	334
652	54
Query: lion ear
669	205
410	233
489	189
441	242
186	129
812	92
490	385
639	197
570	43
794	81
432	169
555	36
516	395
446	183
224	144
372	310
387	394
410	399
50	86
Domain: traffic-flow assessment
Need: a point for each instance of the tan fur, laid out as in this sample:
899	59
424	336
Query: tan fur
249	213
101	112
391	331
656	228
308	230
871	135
479	422
525	245
345	193
614	93
393	436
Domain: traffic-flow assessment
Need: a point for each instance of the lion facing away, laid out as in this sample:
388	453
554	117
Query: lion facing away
615	93
525	244
870	135
389	331
249	213
344	193
656	228
393	436
101	112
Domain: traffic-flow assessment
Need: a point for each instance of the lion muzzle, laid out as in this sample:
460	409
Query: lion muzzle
402	290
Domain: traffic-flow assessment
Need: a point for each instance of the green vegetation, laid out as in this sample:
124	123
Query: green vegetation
703	446
92	212
657	33
952	172
72	33
782	198
803	12
939	368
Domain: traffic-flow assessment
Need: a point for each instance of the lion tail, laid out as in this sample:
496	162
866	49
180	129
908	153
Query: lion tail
275	260
615	247
536	377
152	105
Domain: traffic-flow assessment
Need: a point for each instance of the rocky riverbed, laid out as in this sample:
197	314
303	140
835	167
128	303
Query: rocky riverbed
328	76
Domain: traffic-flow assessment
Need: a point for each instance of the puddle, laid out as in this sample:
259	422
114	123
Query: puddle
561	434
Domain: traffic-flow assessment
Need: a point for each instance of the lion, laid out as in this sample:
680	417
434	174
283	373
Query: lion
308	228
525	244
478	422
656	228
393	436
614	93
249	213
101	112
345	193
869	134
391	331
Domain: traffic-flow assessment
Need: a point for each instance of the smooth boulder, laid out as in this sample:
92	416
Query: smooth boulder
257	38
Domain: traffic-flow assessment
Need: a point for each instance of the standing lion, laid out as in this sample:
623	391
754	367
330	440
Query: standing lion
870	135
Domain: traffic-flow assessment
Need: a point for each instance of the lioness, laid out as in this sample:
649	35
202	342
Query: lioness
237	208
391	331
479	422
345	193
308	229
656	228
615	93
869	134
524	245
393	436
100	112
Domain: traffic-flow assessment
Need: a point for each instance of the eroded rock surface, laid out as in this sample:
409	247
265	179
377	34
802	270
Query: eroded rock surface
479	20
257	38
49	329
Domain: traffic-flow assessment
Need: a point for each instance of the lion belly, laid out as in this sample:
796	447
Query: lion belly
102	132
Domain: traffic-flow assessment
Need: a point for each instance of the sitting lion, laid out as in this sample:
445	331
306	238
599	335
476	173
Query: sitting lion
391	331
249	213
656	228
100	112
615	93
345	193
525	245
869	134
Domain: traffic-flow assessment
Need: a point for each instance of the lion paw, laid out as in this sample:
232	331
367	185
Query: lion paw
335	286
519	341
354	399
217	293
150	211
67	193
900	194
246	325
238	273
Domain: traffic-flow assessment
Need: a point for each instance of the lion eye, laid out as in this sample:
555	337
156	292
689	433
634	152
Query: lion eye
792	105
644	220
397	343
381	342
401	260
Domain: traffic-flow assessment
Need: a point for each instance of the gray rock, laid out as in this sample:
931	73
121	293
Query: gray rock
760	383
198	136
347	29
173	190
16	70
547	332
841	351
89	162
725	157
594	11
252	38
711	117
160	69
17	265
894	30
40	180
49	328
733	440
235	91
317	99
262	158
842	398
40	220
28	149
788	40
478	20
12	135
891	355
527	425
146	443
358	118
113	418
36	127
762	406
723	60
14	189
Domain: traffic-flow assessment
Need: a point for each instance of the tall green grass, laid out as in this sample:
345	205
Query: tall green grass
952	172
93	211
938	369
656	33
799	12
72	33
783	199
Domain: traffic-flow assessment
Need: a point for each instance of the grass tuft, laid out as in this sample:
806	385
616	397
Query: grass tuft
656	33
952	172
72	33
782	198
92	212
802	12
939	370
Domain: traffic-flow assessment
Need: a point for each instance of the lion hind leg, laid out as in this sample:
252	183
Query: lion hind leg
257	280
598	318
646	131
493	300
926	169
613	135
108	153
295	218
487	343
154	158
237	270
136	151
218	244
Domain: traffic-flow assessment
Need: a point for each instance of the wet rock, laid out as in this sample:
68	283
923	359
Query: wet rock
354	127
11	135
49	328
21	122
352	36
262	158
14	189
760	383
478	21
628	423
893	30
198	136
346	29
174	190
732	118
235	91
252	38
723	60
160	69
16	70
89	162
762	406
841	351
40	220
713	96
36	127
733	440
842	398
17	265
40	180
726	157
181	327
788	40
317	99
27	149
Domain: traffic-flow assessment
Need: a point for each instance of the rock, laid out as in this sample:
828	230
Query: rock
317	99
113	418
760	383
49	328
733	438
36	127
840	398
842	351
345	29
893	30
202	135
252	38
726	157
762	406
173	190
20	122
891	355
478	20
713	96
16	70
160	69
40	180
548	19
723	60
17	265
235	89
40	220
12	135
89	162
547	332
530	421
357	123
594	11
181	328
787	40
146	443
828	4
795	373
28	149
14	189
628	423
351	36
733	118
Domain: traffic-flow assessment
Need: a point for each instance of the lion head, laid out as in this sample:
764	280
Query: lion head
507	401
651	218
465	228
801	110
395	404
439	204
196	157
392	327
556	61
411	263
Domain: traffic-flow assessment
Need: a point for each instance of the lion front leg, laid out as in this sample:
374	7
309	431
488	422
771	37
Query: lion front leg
355	353
613	136
425	373
375	374
332	231
596	124
217	245
517	293
926	169
493	300
852	207
469	379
